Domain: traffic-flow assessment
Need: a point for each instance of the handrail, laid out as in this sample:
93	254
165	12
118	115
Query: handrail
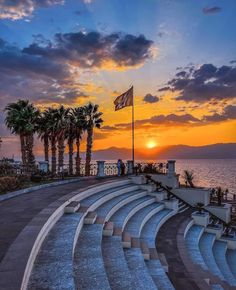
160	185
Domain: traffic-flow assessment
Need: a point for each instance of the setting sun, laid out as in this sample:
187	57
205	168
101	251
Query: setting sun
151	144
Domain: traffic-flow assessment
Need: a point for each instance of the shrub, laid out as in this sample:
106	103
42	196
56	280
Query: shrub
36	178
9	183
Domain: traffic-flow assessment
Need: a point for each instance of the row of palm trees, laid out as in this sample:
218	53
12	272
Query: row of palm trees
55	127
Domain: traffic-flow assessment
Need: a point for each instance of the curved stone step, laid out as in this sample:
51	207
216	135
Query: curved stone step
141	278
231	259
158	275
219	251
110	207
192	243
137	221
150	229
117	270
206	244
89	270
53	267
121	217
95	200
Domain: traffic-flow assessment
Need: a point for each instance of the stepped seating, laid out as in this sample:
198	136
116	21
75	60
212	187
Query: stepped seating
121	217
192	240
219	251
89	270
53	268
138	220
106	240
231	259
206	243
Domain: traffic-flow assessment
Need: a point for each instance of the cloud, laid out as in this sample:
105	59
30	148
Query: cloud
19	9
184	120
204	83
95	50
151	99
211	10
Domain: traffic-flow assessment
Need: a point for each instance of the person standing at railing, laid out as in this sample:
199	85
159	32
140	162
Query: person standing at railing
122	168
119	164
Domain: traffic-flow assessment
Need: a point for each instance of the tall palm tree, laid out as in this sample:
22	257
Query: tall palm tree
50	116
43	132
70	136
92	120
21	119
79	127
62	122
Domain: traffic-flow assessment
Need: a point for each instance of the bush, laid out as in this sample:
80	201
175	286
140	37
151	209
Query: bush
6	168
9	183
36	178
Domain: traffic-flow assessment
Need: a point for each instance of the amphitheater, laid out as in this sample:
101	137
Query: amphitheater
115	233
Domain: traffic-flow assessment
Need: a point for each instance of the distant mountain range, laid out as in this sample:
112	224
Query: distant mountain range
215	151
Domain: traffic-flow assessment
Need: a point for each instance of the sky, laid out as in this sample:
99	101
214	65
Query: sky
180	56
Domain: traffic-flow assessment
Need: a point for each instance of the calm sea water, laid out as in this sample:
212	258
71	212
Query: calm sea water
211	172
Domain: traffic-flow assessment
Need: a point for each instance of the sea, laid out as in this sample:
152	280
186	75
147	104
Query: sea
210	172
207	172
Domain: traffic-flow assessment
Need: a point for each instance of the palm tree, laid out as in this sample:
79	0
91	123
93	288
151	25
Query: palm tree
21	119
50	116
199	206
79	127
43	132
188	177
61	122
92	120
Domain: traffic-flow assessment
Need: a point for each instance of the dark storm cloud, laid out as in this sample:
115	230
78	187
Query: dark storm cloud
229	113
151	99
18	9
94	49
203	84
211	10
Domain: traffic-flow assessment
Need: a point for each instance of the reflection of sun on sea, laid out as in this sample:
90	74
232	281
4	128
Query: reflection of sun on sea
151	144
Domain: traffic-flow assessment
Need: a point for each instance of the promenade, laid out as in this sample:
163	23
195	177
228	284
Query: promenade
17	212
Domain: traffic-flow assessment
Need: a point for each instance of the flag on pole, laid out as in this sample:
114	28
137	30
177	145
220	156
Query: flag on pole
124	100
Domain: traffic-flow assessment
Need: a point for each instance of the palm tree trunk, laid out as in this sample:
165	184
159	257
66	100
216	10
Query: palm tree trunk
31	158
46	147
70	145
78	159
54	152
22	145
61	148
89	150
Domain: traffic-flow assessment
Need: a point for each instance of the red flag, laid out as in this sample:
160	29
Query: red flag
124	100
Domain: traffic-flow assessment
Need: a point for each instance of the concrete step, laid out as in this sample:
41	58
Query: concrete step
137	221
116	267
141	278
126	240
89	270
108	229
192	244
121	217
206	248
158	275
231	259
145	251
90	218
53	267
219	251
107	209
72	207
150	229
96	200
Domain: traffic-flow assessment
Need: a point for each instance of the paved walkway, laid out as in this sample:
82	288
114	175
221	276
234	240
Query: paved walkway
167	243
17	212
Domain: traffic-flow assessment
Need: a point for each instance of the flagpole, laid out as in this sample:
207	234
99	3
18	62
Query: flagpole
133	133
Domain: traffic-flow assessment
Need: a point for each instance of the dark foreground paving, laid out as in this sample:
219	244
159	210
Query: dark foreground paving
17	212
167	243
